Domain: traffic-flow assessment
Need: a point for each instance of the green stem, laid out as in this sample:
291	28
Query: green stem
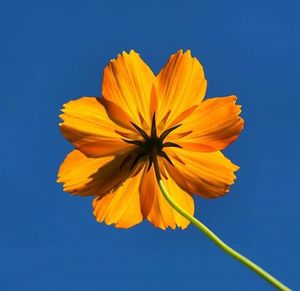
261	272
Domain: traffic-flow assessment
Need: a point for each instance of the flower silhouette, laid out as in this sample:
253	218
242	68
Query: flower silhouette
143	118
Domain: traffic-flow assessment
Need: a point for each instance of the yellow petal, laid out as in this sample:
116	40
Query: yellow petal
178	87
206	174
127	82
213	125
122	206
95	176
157	209
85	122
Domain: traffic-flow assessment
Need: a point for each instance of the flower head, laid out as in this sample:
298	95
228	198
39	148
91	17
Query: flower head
142	117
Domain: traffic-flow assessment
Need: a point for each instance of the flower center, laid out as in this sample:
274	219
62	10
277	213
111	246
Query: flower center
152	145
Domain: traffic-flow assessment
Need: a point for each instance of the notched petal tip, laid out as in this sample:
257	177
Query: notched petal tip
209	175
179	85
234	97
127	82
132	52
120	207
188	52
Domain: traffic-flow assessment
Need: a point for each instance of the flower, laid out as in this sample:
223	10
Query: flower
142	117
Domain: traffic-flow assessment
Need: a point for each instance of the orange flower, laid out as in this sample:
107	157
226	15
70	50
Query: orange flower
142	117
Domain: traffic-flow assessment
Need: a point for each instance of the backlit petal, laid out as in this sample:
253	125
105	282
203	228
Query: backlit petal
77	171
104	148
95	176
178	87
127	82
214	125
122	206
85	123
117	114
206	174
157	209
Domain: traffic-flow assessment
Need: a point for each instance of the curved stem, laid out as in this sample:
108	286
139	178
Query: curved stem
261	272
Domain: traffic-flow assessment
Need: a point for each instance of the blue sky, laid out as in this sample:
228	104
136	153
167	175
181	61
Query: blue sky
55	51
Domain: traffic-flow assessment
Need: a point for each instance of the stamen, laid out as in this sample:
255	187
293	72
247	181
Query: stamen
150	162
171	144
168	131
150	146
136	142
142	132
164	155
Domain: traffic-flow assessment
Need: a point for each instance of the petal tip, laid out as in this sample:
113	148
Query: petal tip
133	52
188	52
123	54
179	52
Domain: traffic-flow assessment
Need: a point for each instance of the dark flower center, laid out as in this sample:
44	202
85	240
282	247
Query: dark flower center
152	145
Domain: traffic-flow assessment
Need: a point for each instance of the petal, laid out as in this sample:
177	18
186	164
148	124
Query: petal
104	148
178	87
86	124
213	125
117	114
157	209
206	174
76	172
122	206
95	176
127	82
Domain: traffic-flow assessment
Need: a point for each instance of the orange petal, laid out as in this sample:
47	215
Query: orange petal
156	208
105	148
116	113
206	174
179	86
76	172
127	81
122	206
85	122
95	176
215	124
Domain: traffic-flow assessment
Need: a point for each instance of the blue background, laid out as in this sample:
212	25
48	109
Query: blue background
54	51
